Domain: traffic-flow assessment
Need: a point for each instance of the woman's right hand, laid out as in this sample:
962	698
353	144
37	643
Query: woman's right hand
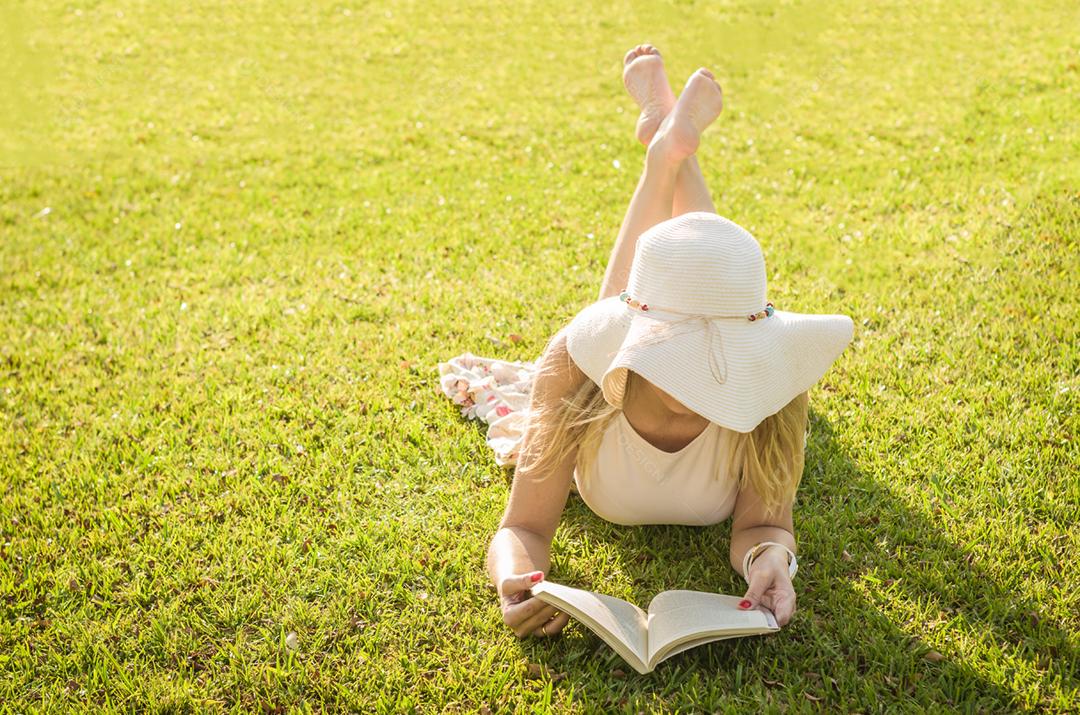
527	615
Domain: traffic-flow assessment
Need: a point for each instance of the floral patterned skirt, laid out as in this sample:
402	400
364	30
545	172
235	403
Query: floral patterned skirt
494	391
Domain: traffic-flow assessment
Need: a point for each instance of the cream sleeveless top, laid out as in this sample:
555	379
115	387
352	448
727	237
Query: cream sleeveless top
634	482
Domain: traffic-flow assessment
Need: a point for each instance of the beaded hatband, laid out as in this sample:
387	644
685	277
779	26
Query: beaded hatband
625	298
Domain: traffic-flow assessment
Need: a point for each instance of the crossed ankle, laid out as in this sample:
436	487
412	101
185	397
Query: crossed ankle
661	154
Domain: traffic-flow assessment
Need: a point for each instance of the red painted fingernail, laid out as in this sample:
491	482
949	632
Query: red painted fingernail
744	604
537	576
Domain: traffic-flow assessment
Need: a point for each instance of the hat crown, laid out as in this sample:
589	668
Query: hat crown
699	262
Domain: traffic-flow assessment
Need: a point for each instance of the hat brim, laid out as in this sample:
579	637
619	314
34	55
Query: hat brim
759	366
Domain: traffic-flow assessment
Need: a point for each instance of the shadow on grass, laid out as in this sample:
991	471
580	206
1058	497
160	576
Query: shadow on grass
841	648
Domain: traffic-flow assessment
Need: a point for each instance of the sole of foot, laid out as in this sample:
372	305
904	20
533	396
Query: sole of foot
698	106
647	82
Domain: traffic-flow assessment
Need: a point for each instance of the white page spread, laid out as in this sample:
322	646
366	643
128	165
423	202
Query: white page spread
678	616
676	621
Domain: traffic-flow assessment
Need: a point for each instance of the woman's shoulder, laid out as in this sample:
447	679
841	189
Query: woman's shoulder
558	365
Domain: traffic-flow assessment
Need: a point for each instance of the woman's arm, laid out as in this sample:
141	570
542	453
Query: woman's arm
769	582
751	525
520	551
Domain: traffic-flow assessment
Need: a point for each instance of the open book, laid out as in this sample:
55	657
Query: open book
676	620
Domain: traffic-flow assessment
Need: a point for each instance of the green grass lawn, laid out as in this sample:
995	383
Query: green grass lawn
236	239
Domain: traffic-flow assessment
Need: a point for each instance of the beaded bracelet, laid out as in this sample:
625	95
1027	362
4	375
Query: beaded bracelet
753	551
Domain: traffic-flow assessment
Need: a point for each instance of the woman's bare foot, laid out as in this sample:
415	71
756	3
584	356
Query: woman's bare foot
680	132
647	83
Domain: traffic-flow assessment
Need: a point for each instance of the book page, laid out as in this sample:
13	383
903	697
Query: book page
622	625
677	617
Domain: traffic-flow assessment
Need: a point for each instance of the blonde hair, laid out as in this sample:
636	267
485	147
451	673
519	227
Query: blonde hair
769	459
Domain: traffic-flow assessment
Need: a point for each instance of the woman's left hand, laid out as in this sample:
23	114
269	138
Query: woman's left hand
770	585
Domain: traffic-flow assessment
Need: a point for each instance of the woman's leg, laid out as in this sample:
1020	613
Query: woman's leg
647	83
650	204
691	193
671	149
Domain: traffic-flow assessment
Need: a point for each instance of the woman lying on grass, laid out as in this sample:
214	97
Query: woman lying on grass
680	396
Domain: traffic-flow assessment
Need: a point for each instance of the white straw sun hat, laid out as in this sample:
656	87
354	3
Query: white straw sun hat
694	321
